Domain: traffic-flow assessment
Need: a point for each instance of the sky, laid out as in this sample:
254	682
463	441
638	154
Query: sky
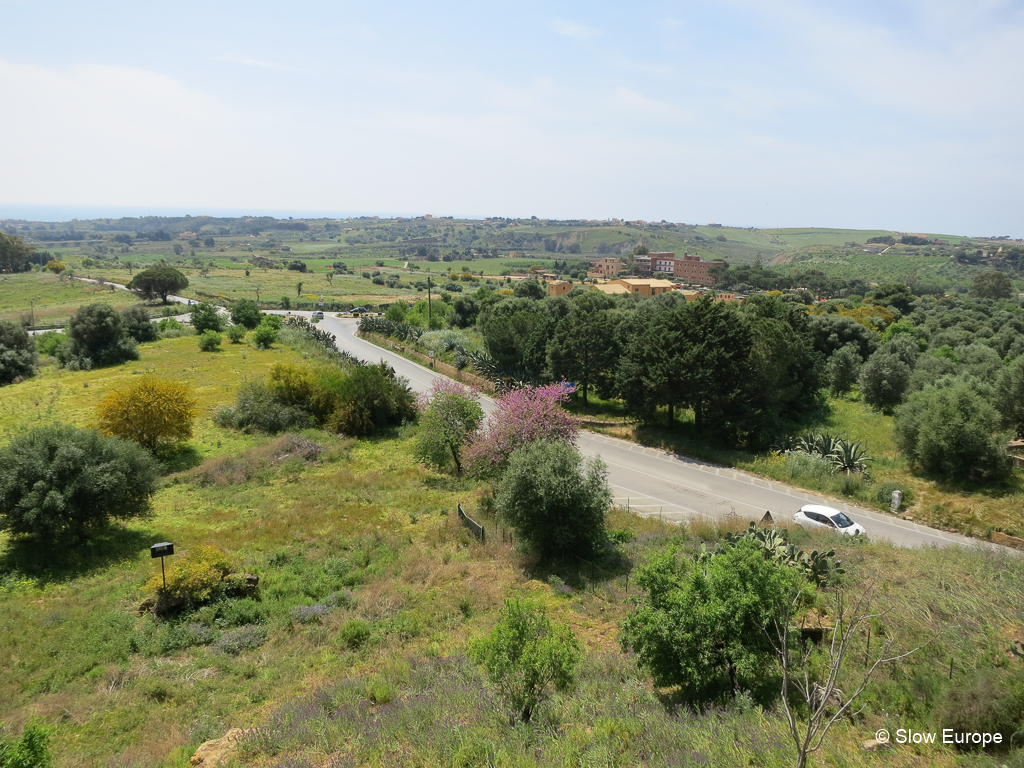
895	114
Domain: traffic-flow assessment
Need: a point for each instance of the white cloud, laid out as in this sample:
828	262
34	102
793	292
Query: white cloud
574	29
261	64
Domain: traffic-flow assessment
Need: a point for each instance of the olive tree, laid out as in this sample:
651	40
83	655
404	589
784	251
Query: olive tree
1009	396
554	501
59	480
951	432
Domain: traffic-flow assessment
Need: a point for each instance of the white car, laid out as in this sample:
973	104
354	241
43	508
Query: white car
817	516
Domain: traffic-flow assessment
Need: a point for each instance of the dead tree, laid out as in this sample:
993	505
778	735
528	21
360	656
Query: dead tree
816	685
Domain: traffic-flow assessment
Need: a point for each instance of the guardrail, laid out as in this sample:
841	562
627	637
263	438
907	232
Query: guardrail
474	527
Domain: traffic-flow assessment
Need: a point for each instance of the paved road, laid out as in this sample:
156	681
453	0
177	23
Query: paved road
657	483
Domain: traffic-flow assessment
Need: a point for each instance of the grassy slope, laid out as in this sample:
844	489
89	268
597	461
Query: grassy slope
119	692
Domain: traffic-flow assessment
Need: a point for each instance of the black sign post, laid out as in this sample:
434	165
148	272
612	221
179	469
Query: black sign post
162	550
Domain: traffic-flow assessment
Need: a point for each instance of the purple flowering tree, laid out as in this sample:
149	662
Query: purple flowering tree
524	416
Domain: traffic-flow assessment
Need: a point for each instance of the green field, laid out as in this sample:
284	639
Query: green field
51	300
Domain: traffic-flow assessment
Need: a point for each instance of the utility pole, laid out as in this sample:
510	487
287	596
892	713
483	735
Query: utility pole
428	301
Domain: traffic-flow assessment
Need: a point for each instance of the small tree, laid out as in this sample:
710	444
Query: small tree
158	282
246	312
136	323
526	656
700	621
523	416
60	480
206	318
236	333
150	412
451	415
210	341
811	673
842	369
555	502
18	355
55	266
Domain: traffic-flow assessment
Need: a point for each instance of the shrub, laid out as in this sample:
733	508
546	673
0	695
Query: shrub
555	502
150	412
991	701
259	409
205	317
372	397
61	480
354	634
169	324
237	613
246	313
236	333
30	750
198	577
136	323
96	338
310	614
246	638
18	354
526	656
210	341
264	336
47	343
952	433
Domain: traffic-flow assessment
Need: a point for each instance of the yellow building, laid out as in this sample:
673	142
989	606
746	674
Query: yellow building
643	287
559	287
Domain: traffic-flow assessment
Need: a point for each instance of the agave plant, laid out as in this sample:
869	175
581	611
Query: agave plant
850	457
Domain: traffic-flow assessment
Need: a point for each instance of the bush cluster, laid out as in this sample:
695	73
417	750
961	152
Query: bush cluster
357	402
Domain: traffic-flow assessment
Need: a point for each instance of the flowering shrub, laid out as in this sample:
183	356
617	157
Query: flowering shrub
524	416
245	638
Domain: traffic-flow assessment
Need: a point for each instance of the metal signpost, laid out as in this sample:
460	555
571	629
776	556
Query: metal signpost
162	550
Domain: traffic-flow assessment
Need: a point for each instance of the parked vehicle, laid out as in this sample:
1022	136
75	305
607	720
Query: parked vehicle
318	315
817	516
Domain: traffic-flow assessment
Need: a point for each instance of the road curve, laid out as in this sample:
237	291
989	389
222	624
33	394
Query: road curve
656	483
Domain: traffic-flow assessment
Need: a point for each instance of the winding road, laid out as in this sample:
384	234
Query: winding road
658	483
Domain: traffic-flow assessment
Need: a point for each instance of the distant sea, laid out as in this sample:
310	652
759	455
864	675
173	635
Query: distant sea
31	212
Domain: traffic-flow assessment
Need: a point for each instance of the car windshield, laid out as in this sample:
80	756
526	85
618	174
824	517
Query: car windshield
841	520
